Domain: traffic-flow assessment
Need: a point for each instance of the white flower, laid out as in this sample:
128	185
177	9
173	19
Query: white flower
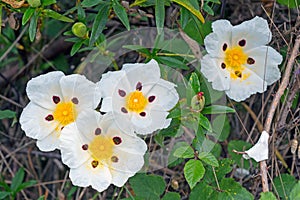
138	97
238	62
99	153
260	150
56	100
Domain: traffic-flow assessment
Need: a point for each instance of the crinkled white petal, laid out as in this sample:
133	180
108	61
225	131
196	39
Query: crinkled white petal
49	143
33	121
222	30
165	94
260	150
71	143
211	69
242	89
256	32
106	105
127	165
77	86
99	178
154	120
41	89
266	63
123	121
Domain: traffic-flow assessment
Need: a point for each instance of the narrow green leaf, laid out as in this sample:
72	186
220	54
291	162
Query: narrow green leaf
91	3
4	195
27	14
4	114
193	172
18	179
41	197
99	23
48	2
191	8
138	48
290	3
208	158
33	26
204	122
55	15
159	15
76	47
172	62
81	13
171	196
217	109
208	9
184	151
194	82
121	13
26	184
267	196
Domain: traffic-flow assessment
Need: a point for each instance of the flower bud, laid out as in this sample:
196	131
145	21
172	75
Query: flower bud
198	101
34	3
79	29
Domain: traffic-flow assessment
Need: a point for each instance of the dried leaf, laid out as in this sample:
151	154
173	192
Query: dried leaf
14	3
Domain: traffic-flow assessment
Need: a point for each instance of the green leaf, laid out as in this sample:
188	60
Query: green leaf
194	82
91	3
191	8
267	196
160	15
138	48
48	2
17	180
295	193
204	122
121	13
201	191
3	195
217	109
76	46
283	184
26	184
175	113
289	3
149	187
240	145
208	9
33	26
99	23
41	197
171	196
172	62
221	127
184	151
208	158
233	190
5	114
193	172
57	16
27	14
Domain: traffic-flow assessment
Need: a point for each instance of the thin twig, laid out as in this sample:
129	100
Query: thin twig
275	102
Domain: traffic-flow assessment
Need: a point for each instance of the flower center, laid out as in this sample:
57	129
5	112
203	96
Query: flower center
136	102
101	148
65	113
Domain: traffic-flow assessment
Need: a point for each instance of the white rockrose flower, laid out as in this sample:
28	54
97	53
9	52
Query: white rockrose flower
260	150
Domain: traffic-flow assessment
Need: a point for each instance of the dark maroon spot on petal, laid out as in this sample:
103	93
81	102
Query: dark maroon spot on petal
223	65
114	159
85	147
75	100
62	128
238	74
49	118
98	131
242	42
95	163
143	114
151	99
124	110
139	86
250	61
117	140
56	99
122	93
224	47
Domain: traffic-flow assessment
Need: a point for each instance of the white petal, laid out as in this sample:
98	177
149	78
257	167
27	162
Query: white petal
127	166
211	69
41	89
106	105
123	122
77	86
71	143
99	178
165	95
148	73
49	143
242	89
154	120
256	32
33	121
260	150
221	34
266	63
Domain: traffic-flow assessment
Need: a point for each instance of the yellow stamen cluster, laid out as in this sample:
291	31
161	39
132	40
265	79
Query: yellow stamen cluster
65	113
136	102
